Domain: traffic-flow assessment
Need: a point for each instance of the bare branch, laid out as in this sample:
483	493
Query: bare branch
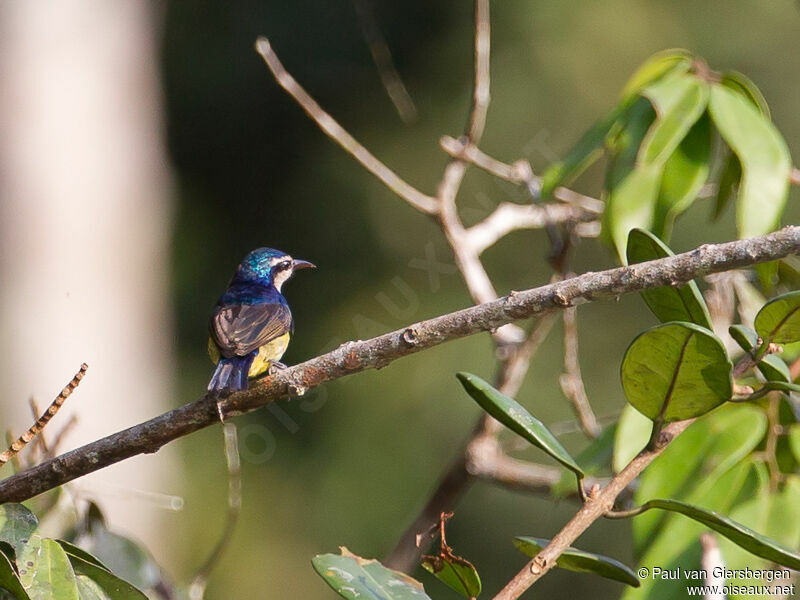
338	134
508	217
380	351
40	423
572	381
519	173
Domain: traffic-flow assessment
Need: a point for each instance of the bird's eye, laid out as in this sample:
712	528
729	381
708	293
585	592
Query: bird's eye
282	266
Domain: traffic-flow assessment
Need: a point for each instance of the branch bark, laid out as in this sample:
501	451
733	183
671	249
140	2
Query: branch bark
380	351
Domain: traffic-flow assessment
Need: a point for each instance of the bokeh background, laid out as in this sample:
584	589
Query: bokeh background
146	149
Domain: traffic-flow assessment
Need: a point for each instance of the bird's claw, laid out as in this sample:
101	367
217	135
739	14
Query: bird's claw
276	367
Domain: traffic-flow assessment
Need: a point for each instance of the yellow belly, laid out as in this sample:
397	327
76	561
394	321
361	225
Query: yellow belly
267	354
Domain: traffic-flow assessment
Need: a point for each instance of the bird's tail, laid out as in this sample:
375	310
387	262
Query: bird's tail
231	374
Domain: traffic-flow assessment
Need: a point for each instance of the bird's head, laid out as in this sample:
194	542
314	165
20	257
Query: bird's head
269	266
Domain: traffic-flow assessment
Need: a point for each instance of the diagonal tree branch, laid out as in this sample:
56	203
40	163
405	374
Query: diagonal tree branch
380	351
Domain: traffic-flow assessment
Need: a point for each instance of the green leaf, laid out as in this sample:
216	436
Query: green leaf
679	100
778	321
685	173
582	155
54	578
743	85
120	555
668	303
89	590
674	60
775	515
27	560
692	466
514	416
581	561
112	586
633	432
728	183
632	187
74	550
353	577
676	371
456	572
771	366
9	579
589	147
764	157
742	536
17	524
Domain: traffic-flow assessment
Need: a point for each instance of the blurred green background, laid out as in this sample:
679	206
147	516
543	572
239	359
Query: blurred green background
352	463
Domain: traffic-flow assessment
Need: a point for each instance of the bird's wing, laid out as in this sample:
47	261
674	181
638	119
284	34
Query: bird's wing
238	329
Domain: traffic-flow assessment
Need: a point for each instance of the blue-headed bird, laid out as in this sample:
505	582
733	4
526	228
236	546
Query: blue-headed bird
251	324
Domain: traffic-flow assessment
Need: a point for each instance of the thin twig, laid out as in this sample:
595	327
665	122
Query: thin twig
518	173
572	381
337	133
41	440
382	57
378	352
197	587
597	505
40	423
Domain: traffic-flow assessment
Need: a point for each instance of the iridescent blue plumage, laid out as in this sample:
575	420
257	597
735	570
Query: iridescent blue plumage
252	323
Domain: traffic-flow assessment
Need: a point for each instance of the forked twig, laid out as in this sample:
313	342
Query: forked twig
40	423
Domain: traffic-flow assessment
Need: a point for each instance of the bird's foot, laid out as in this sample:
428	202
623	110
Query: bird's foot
276	367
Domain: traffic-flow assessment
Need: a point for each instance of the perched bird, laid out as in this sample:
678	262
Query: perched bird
251	324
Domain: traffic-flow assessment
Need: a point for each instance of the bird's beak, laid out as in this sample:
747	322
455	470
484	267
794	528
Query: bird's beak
302	264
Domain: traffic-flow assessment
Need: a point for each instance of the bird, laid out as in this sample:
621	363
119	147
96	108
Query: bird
251	324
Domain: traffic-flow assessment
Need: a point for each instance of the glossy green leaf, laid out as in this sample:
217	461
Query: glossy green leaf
356	578
676	544
89	590
633	432
9	579
778	321
54	578
590	145
676	371
674	60
743	335
742	536
774	514
668	303
112	586
694	464
17	524
679	100
514	416
743	85
728	184
72	549
455	572
771	366
632	188
581	561
685	173
582	155
764	157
